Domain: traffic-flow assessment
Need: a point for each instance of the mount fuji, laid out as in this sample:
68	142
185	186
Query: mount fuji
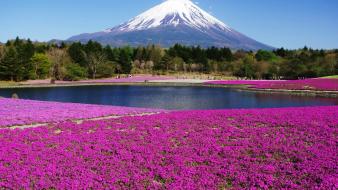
171	22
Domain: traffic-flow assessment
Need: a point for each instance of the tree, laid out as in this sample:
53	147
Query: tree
226	54
23	59
2	52
336	65
213	53
41	66
200	57
16	64
8	64
293	69
164	63
139	54
25	53
246	67
109	54
76	52
58	59
155	54
326	66
116	54
281	52
261	69
125	60
106	69
177	63
74	72
8	43
95	60
263	55
180	51
239	54
216	54
63	45
18	41
92	47
273	71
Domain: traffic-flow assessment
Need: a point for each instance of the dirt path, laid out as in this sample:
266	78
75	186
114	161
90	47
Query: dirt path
186	81
77	121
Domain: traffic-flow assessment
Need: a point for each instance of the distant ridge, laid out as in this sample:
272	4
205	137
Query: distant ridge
171	22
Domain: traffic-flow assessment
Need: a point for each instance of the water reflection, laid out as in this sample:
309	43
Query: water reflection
187	97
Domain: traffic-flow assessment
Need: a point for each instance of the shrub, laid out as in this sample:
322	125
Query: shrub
75	72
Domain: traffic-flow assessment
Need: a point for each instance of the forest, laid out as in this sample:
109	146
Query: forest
22	59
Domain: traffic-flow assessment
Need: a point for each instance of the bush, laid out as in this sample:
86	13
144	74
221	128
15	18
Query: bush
75	72
105	70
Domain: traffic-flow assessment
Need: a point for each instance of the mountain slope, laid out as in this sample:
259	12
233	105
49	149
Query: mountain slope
173	21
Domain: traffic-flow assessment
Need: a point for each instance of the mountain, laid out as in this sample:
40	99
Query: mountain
171	22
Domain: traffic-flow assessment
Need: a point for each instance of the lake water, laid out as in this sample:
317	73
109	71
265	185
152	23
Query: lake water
167	97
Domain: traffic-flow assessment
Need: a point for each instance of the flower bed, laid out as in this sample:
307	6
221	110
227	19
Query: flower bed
308	84
293	148
20	112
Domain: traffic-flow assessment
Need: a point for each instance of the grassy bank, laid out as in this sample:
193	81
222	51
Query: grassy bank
331	77
7	83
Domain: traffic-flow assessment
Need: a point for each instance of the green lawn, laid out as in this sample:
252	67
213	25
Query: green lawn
7	83
331	77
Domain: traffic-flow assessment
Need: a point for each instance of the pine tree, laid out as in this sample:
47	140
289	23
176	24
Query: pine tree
76	52
93	47
164	64
226	54
125	60
8	43
108	51
63	45
18	41
25	53
9	64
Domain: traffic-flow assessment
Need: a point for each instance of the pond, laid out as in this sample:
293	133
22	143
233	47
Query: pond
167	97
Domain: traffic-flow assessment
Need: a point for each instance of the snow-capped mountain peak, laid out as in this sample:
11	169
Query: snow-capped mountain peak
173	12
172	22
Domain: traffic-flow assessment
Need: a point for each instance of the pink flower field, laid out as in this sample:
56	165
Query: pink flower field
308	84
21	112
284	148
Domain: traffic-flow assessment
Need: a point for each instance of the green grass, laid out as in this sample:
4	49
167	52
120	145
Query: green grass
7	83
331	77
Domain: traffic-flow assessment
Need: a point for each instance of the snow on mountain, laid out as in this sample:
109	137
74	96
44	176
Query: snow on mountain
171	22
173	12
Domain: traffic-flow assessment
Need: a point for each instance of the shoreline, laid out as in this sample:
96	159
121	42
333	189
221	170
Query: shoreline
183	82
329	94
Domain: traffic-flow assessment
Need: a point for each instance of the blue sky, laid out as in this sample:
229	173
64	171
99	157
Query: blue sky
280	23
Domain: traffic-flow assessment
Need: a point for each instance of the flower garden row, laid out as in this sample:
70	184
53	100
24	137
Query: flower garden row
308	84
21	112
285	148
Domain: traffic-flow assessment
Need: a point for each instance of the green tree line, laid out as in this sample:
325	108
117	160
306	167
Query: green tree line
23	60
